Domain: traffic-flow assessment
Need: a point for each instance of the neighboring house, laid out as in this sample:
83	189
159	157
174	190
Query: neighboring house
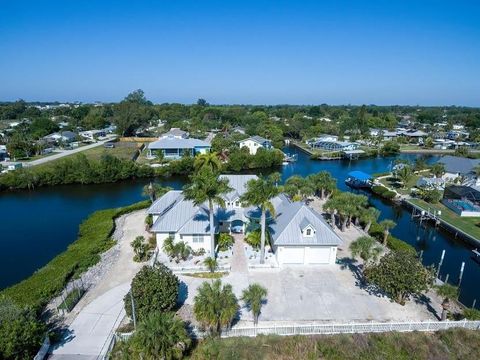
299	234
93	134
329	145
174	148
62	136
175	133
431	183
460	167
13	166
239	130
254	143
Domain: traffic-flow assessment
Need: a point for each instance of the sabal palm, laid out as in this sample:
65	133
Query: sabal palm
369	216
404	174
254	297
160	336
215	306
448	292
207	186
260	192
208	160
154	190
366	248
387	225
323	183
211	263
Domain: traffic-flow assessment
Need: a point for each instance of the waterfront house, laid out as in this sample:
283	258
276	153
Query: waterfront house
463	200
173	148
299	235
254	143
460	169
330	145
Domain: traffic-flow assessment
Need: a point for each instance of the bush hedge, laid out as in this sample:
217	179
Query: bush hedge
393	243
93	239
383	192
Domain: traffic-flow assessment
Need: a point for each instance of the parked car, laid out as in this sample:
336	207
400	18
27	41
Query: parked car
109	145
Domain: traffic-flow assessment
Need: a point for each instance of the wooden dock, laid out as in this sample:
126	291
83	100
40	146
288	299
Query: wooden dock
427	215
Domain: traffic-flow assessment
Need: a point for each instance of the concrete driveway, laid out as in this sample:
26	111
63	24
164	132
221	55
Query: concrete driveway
317	293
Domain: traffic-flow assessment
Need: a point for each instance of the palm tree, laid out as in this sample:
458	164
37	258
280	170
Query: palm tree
297	188
330	206
387	225
404	174
208	160
366	248
211	263
323	183
207	186
254	296
215	306
368	217
437	169
154	190
448	292
160	336
259	193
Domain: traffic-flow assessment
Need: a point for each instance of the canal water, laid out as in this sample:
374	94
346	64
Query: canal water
37	225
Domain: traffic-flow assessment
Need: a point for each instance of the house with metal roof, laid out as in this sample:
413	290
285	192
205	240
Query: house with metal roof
299	235
457	167
171	147
254	143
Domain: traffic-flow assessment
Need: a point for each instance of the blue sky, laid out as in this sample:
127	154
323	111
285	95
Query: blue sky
423	52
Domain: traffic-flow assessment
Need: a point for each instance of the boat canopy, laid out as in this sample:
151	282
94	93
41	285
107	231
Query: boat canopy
359	175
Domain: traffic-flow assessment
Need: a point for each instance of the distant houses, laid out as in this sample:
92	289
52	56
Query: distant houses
254	143
176	143
62	136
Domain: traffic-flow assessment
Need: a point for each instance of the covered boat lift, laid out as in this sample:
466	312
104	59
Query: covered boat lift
359	180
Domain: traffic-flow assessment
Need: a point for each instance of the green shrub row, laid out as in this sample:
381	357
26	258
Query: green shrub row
93	239
393	243
383	192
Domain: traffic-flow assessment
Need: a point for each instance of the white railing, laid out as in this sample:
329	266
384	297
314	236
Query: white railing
347	328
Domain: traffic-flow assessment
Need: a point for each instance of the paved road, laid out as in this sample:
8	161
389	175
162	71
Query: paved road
64	153
88	335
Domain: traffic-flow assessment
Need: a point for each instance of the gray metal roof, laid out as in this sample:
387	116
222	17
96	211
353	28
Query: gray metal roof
239	185
174	143
179	215
292	217
257	139
176	132
457	164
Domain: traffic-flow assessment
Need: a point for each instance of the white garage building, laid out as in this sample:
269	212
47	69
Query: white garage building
300	236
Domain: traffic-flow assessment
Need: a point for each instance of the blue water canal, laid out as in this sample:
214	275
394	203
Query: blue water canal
37	225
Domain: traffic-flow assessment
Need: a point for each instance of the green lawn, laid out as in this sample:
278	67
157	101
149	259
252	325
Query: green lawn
121	150
391	183
467	224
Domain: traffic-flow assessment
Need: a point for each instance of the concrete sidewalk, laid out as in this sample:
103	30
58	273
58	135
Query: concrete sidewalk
88	335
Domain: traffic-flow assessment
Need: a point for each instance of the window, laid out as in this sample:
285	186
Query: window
237	203
197	239
309	232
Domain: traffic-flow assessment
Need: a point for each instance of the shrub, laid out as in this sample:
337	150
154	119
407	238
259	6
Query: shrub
379	189
21	334
93	239
154	289
253	239
224	241
149	221
181	251
389	194
393	243
141	249
199	252
471	314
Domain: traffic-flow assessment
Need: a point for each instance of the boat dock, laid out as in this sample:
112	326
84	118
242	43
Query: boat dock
426	214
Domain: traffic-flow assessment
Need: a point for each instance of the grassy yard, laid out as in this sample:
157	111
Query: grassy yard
449	344
467	224
392	183
122	150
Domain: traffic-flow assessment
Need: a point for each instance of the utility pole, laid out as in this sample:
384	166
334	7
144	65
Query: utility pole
133	310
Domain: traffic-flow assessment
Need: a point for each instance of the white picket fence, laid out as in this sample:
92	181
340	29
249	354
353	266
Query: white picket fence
347	328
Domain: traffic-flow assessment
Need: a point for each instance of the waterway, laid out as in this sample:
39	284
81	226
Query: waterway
37	225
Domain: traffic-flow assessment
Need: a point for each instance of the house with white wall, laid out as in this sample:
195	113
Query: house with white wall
254	143
299	235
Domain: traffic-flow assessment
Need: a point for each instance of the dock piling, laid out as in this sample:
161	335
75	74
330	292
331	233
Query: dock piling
461	273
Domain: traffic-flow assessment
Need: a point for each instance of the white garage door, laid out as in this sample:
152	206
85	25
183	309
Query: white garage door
317	255
292	255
